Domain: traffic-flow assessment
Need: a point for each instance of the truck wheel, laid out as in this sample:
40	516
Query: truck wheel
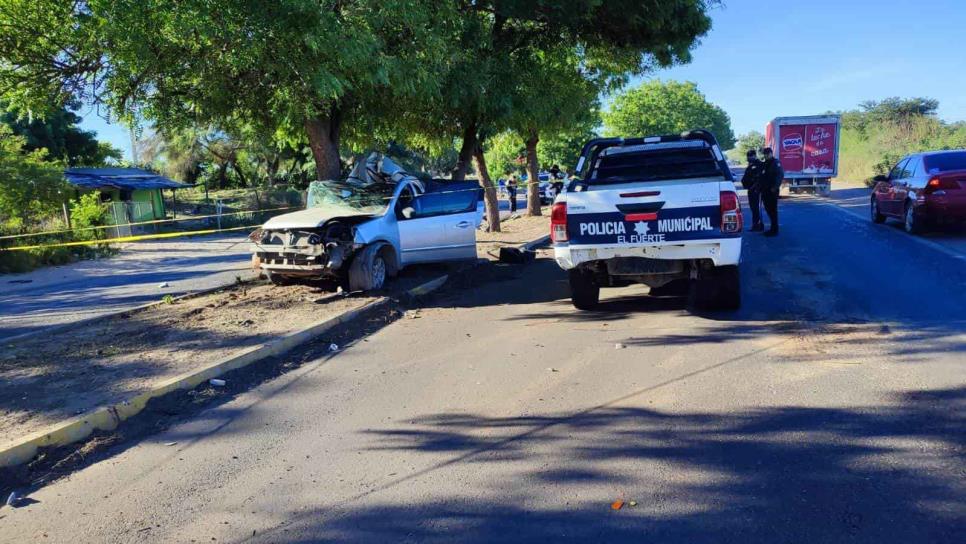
368	269
729	288
584	291
716	289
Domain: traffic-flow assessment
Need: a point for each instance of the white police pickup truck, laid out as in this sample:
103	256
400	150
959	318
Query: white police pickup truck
661	211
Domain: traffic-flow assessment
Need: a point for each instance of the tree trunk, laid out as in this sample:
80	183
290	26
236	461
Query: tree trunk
323	133
489	190
533	174
223	176
466	153
238	172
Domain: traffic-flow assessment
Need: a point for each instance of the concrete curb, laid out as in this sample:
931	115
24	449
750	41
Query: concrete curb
107	418
531	245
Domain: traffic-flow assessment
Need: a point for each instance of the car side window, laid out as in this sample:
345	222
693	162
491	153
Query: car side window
445	203
405	200
896	172
911	169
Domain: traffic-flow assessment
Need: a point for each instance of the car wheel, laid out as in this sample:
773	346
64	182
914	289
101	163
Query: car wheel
877	216
911	223
584	291
368	270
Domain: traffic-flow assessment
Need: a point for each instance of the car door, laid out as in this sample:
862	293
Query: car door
416	234
887	190
906	182
440	225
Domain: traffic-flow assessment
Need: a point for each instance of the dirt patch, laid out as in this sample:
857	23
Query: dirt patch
517	230
44	380
162	412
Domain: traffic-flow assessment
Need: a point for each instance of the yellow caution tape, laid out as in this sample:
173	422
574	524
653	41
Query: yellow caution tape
155	222
130	238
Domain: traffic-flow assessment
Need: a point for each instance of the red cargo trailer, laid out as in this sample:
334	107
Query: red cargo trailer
808	148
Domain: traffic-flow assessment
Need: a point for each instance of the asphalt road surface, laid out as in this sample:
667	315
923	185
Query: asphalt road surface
86	289
830	408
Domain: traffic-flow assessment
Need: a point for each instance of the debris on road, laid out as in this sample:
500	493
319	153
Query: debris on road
619	346
164	285
333	347
216	382
617	505
13	499
551	369
170	443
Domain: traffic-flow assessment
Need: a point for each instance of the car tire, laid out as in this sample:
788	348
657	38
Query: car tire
716	289
910	222
368	270
877	216
584	291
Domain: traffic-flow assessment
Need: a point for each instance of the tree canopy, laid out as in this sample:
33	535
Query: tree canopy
59	135
658	107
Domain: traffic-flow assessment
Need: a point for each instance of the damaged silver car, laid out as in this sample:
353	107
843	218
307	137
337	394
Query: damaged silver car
365	229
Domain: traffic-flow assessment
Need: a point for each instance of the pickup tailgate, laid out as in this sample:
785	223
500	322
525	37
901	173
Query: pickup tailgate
639	214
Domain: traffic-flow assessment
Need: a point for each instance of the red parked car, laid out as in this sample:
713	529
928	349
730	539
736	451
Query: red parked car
923	190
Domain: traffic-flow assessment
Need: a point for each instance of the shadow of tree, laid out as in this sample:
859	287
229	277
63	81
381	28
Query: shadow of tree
890	473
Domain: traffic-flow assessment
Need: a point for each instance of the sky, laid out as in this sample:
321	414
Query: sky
773	58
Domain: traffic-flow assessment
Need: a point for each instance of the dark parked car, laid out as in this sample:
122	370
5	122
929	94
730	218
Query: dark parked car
923	190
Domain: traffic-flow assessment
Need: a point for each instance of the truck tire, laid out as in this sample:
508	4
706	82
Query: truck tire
716	289
584	291
368	270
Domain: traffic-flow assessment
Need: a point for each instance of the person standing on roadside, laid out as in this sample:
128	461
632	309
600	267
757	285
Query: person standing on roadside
511	191
772	176
751	180
556	180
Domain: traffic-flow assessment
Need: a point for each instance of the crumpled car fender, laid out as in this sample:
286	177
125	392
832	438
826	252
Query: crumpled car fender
380	229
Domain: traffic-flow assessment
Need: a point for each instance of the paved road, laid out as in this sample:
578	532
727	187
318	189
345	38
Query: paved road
85	289
831	408
855	200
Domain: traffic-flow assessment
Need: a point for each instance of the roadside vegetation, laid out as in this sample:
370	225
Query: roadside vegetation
877	134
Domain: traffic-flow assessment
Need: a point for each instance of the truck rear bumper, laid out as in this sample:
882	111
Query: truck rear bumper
722	252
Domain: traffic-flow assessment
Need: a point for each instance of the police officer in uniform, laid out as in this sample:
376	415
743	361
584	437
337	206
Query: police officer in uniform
511	191
772	176
751	181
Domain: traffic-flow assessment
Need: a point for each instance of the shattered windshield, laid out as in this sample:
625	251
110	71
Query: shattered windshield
372	198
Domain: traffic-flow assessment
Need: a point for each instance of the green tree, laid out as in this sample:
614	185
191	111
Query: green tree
58	133
302	68
31	187
671	107
502	44
748	141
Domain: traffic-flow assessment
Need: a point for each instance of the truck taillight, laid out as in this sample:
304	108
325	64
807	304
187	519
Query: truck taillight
731	220
558	222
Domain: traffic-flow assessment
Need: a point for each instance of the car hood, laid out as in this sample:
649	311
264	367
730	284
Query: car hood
310	218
